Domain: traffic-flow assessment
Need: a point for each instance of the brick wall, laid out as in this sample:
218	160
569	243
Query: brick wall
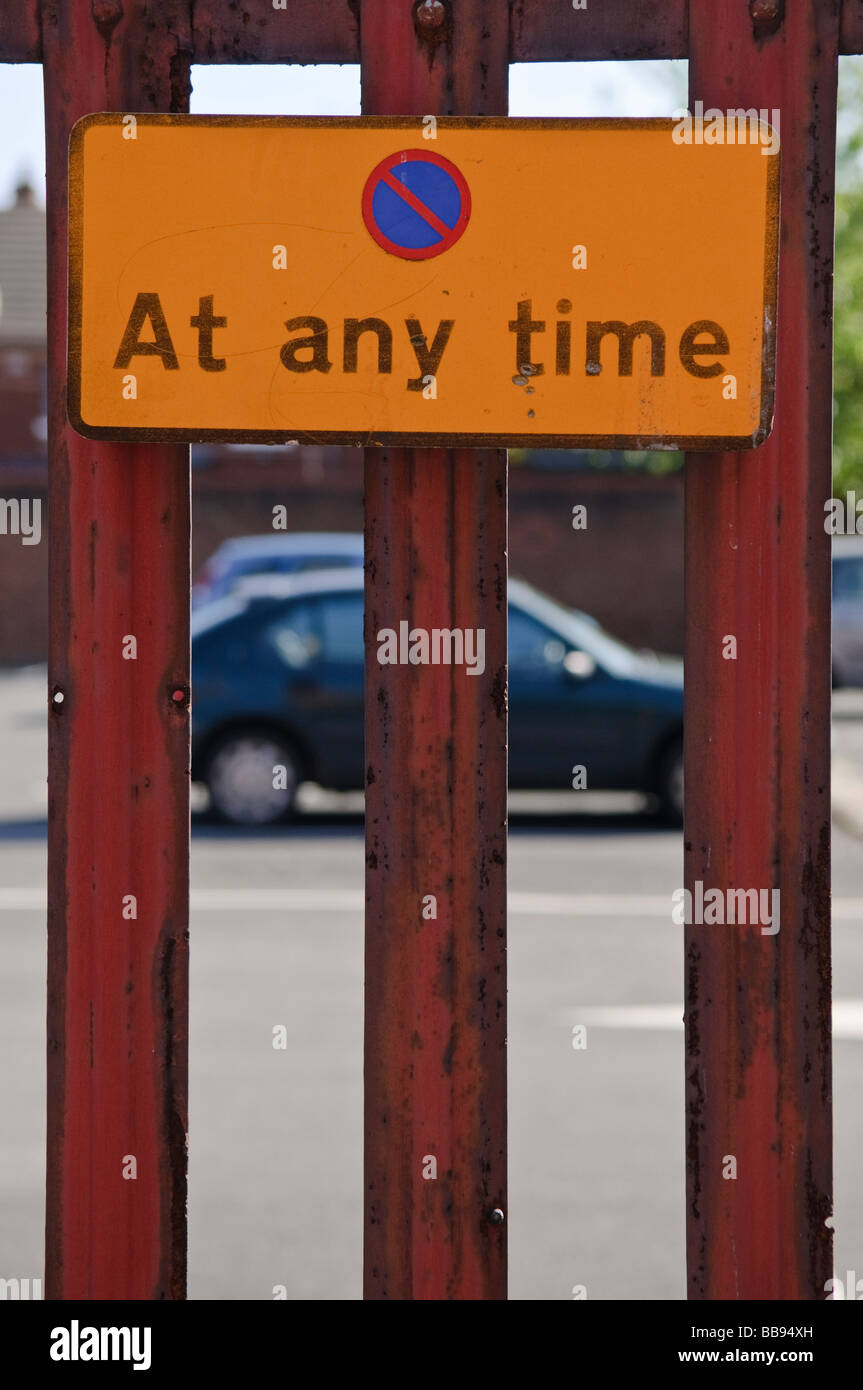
626	568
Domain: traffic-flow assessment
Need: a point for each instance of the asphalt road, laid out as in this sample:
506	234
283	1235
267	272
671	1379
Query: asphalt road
596	1136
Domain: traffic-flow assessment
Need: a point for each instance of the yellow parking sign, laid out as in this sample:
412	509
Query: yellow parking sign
394	280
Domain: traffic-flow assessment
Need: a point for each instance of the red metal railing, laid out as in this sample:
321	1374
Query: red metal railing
328	31
758	728
758	1068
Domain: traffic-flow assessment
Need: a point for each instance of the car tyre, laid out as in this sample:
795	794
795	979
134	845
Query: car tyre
669	783
239	774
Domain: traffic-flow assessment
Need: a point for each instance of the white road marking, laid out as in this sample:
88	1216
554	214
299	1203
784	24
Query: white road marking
352	900
847	1013
847	1017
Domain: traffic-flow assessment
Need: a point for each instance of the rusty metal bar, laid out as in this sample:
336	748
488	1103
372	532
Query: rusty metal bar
758	727
435	1050
118	754
543	32
307	31
615	29
328	31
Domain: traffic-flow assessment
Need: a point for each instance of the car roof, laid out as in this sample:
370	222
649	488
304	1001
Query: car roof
295	543
847	547
266	589
272	588
283	586
259	588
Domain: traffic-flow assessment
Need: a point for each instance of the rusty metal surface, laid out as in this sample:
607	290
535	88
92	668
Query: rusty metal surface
851	32
328	31
20	36
118	759
307	31
758	1071
435	1059
543	32
758	1074
615	29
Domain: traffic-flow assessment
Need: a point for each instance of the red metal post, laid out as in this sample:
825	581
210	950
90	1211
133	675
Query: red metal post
758	727
435	1060
119	753
757	1006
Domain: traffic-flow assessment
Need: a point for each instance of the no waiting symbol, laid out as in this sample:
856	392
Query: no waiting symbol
416	204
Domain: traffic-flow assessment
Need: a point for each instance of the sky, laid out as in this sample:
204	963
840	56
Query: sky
536	89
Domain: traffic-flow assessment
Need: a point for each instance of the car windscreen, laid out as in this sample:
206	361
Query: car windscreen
325	627
211	615
614	656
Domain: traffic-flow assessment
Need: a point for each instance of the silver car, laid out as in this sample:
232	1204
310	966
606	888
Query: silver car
848	611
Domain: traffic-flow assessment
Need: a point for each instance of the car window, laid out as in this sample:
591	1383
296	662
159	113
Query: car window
577	631
251	564
848	579
322	562
340	624
294	635
531	645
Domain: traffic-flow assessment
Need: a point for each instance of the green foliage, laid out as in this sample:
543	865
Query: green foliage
635	460
848	285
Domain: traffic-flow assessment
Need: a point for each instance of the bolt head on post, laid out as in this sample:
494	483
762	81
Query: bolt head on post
106	11
767	15
430	14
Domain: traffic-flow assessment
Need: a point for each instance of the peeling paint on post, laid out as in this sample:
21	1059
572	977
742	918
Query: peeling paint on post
118	755
435	1058
758	728
758	1007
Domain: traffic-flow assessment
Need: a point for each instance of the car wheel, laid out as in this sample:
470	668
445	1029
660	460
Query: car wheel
252	776
669	783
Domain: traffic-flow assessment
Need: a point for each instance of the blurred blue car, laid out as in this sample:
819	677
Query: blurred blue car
277	553
278	681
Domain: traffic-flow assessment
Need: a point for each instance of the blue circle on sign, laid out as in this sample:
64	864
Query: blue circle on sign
416	204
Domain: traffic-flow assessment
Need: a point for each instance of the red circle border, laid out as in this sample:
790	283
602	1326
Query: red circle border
418	253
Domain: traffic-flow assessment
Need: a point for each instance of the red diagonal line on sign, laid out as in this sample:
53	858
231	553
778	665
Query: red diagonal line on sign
418	206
